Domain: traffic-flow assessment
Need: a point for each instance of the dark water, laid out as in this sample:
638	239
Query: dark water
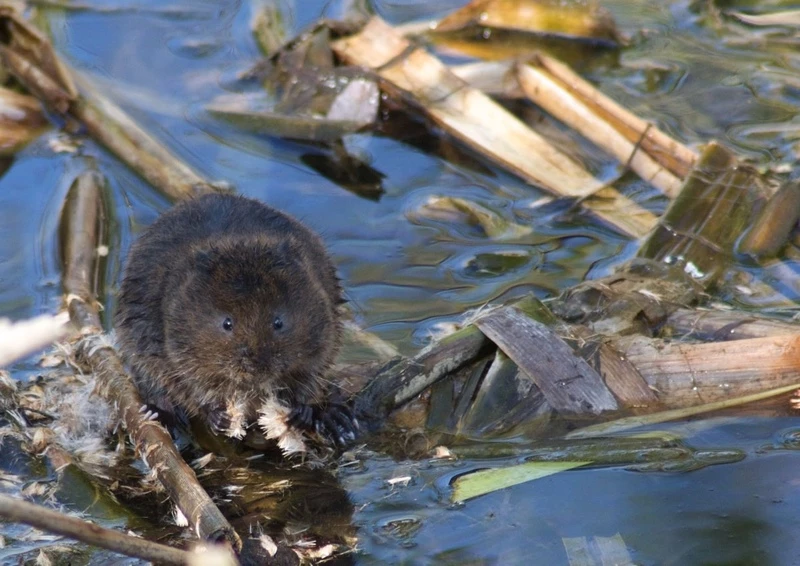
730	514
698	76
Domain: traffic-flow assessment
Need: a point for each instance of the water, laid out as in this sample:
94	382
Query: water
697	76
730	514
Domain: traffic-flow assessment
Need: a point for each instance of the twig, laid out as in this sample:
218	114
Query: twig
113	128
155	446
83	226
52	521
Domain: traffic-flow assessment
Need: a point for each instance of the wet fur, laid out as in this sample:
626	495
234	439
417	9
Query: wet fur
224	256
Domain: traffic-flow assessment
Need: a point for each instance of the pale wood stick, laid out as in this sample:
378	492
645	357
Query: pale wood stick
670	153
476	120
112	127
52	521
551	96
382	349
495	78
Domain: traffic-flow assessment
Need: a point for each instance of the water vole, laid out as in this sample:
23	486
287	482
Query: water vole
228	302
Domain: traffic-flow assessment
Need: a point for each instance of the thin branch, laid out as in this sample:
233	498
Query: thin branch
52	521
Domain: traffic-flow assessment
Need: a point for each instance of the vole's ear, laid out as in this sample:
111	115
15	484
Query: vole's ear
204	260
284	250
282	255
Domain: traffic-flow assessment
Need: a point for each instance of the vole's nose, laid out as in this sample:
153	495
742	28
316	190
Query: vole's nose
263	356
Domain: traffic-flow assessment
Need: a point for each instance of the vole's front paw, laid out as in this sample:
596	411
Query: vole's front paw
165	417
219	421
333	421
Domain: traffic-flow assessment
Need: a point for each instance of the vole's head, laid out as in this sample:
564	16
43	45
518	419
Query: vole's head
253	319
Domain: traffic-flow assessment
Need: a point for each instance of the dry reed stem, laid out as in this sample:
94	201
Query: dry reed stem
30	57
551	96
690	374
670	153
473	118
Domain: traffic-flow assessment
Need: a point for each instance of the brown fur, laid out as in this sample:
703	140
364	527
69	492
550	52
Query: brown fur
222	257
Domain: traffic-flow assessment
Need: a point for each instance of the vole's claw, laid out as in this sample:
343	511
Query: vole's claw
302	417
345	421
219	421
335	422
340	424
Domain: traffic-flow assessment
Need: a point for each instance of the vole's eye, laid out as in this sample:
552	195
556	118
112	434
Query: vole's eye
227	324
277	324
